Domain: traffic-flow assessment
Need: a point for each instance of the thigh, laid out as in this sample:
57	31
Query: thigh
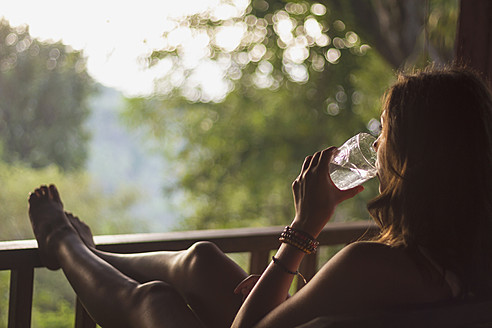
207	278
202	274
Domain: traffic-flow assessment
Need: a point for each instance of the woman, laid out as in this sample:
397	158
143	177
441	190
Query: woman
434	210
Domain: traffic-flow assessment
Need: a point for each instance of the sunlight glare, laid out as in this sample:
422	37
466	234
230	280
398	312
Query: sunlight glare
297	72
283	26
225	11
312	27
229	37
323	40
332	55
318	9
297	53
178	36
214	87
114	34
257	53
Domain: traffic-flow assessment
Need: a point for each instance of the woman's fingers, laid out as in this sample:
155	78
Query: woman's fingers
326	156
349	193
320	159
245	286
307	162
315	160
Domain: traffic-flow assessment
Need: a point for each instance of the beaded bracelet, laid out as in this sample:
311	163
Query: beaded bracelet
299	239
276	261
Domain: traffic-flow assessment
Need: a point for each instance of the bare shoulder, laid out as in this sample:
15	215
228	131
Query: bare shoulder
374	274
367	246
367	254
380	262
371	262
371	253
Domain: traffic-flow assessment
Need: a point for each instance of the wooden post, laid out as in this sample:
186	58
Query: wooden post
20	301
307	268
258	261
474	37
82	318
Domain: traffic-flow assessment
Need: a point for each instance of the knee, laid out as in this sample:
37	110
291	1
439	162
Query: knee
204	249
202	255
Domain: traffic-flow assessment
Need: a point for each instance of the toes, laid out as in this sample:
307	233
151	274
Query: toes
55	195
36	195
43	191
33	197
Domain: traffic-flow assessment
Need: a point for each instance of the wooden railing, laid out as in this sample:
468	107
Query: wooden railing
21	257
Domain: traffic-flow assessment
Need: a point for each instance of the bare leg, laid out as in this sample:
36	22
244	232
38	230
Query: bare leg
112	298
203	275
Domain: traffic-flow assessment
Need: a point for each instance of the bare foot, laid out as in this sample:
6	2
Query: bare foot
82	229
49	222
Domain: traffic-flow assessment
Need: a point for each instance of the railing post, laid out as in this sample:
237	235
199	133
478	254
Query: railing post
20	301
82	318
258	261
307	269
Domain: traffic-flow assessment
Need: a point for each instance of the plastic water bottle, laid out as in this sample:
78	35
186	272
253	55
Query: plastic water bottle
354	162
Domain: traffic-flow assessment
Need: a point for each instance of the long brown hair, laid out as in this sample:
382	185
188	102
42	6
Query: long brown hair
437	171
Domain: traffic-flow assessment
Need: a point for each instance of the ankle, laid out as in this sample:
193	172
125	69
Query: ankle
57	238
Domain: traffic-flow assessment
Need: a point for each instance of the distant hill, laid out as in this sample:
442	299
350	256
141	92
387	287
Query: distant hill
121	158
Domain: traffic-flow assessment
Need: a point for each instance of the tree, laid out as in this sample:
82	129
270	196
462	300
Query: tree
407	33
44	89
297	79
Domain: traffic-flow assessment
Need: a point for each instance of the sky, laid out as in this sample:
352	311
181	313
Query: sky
114	34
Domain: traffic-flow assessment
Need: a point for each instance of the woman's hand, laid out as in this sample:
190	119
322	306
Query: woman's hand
315	195
245	286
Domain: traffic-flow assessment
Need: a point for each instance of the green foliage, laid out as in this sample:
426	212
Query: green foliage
236	158
302	76
79	194
441	29
44	88
406	33
4	297
53	300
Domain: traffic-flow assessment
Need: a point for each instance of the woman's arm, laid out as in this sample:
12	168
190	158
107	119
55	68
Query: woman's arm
315	199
